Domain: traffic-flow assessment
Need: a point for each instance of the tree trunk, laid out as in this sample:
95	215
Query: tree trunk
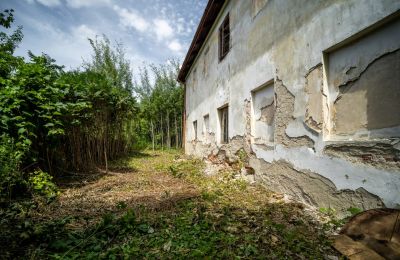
152	132
168	134
176	133
105	145
162	133
105	154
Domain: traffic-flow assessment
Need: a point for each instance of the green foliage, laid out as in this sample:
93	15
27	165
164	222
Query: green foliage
226	220
61	120
334	223
8	44
354	211
41	183
10	159
161	105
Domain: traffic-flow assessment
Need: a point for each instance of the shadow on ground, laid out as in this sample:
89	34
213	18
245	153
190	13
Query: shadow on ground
164	209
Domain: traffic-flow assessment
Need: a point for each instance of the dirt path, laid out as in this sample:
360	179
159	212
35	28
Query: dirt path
142	180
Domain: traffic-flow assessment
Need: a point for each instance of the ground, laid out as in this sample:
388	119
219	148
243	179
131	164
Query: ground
161	205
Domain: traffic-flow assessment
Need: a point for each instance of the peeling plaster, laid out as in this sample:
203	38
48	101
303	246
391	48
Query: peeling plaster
379	182
290	44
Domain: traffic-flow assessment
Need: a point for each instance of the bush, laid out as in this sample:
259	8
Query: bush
40	183
11	179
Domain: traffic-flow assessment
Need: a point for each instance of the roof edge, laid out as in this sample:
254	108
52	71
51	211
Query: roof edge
207	21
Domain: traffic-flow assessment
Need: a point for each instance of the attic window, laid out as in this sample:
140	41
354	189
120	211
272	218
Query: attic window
224	38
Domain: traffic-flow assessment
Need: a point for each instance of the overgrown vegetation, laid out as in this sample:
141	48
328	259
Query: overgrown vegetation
175	212
59	121
161	105
62	125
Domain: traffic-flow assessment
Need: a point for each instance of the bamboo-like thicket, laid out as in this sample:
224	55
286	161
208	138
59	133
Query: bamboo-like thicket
107	132
161	105
60	121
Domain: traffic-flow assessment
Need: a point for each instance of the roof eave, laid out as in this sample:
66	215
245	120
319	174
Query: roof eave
207	20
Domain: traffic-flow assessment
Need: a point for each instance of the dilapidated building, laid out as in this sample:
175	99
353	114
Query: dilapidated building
308	90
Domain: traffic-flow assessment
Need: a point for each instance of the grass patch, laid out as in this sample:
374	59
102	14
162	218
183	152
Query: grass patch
184	215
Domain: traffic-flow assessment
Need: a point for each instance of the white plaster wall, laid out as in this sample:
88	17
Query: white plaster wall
283	41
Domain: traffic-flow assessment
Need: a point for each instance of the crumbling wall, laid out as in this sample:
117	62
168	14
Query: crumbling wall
311	188
380	154
323	74
284	115
313	89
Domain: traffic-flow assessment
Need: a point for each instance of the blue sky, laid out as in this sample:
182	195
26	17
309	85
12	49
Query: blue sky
151	31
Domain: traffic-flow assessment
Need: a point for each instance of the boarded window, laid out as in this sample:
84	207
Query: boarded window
224	38
364	73
195	129
206	128
224	117
263	115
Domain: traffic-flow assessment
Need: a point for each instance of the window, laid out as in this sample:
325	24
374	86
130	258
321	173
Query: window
363	90
224	38
223	116
263	113
206	128
195	129
205	61
194	77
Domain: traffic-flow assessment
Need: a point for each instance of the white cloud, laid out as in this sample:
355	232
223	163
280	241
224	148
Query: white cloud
131	18
49	3
162	29
83	32
175	46
86	3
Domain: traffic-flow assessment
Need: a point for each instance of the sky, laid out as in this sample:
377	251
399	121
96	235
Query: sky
151	31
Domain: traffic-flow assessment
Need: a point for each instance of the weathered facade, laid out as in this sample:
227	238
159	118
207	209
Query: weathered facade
312	94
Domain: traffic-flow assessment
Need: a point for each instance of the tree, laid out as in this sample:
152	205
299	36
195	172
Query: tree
161	103
8	44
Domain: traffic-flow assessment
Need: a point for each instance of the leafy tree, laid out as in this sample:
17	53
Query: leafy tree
56	120
161	104
8	44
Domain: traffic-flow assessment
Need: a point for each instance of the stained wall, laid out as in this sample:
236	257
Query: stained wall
313	98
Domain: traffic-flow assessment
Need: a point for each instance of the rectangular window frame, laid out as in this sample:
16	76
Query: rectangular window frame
206	124
224	124
224	38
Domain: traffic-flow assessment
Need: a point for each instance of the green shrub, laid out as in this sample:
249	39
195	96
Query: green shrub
11	179
40	183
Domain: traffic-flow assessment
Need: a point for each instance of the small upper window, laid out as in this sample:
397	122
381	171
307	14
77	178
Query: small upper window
224	38
194	79
205	61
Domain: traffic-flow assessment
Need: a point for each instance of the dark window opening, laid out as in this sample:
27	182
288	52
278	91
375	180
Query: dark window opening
195	129
224	124
206	128
224	38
